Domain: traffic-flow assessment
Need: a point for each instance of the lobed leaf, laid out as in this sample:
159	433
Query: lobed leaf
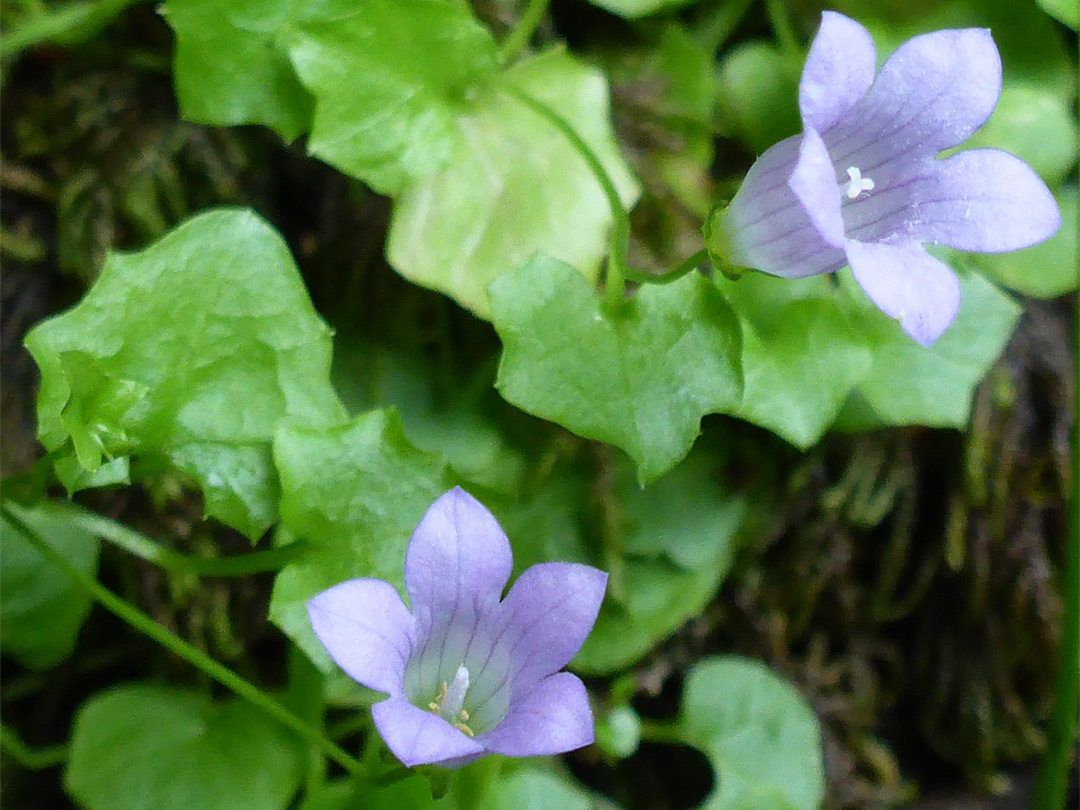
140	746
802	353
41	609
641	378
230	66
761	736
390	79
188	353
513	185
911	385
354	493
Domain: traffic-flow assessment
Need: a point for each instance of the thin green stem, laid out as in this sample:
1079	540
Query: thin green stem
1052	785
617	267
523	31
782	26
715	28
60	22
33	759
657	731
677	272
196	657
240	565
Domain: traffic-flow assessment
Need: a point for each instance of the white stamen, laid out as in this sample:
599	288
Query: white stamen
856	183
455	693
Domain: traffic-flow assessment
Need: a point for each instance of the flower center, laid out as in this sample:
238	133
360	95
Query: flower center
856	183
449	704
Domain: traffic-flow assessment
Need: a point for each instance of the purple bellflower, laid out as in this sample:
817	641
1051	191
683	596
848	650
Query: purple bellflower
862	185
468	673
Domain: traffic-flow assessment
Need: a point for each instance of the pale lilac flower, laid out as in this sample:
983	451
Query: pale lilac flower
467	674
863	185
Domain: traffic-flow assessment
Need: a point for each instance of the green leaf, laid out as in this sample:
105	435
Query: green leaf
758	95
514	185
1064	11
1046	270
911	385
531	788
231	68
141	746
188	352
687	516
355	493
390	78
640	379
802	354
659	598
678	536
442	412
1036	124
632	9
41	609
761	736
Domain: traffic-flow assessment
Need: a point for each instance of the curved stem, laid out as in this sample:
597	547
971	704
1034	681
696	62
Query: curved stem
33	759
61	21
523	31
780	20
617	268
141	546
717	25
196	657
1052	785
686	266
661	731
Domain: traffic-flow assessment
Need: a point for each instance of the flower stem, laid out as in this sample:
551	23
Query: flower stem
720	23
63	21
617	268
33	759
1052	785
523	31
680	270
196	657
661	732
782	26
141	546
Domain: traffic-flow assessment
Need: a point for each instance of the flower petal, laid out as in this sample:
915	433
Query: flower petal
908	284
418	737
983	200
367	630
546	617
838	71
555	717
930	95
766	228
814	183
458	558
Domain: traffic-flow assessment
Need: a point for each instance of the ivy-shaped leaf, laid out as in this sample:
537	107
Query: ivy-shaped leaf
354	493
678	538
761	736
911	385
802	353
188	353
514	185
230	67
141	746
442	412
41	608
390	78
640	378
